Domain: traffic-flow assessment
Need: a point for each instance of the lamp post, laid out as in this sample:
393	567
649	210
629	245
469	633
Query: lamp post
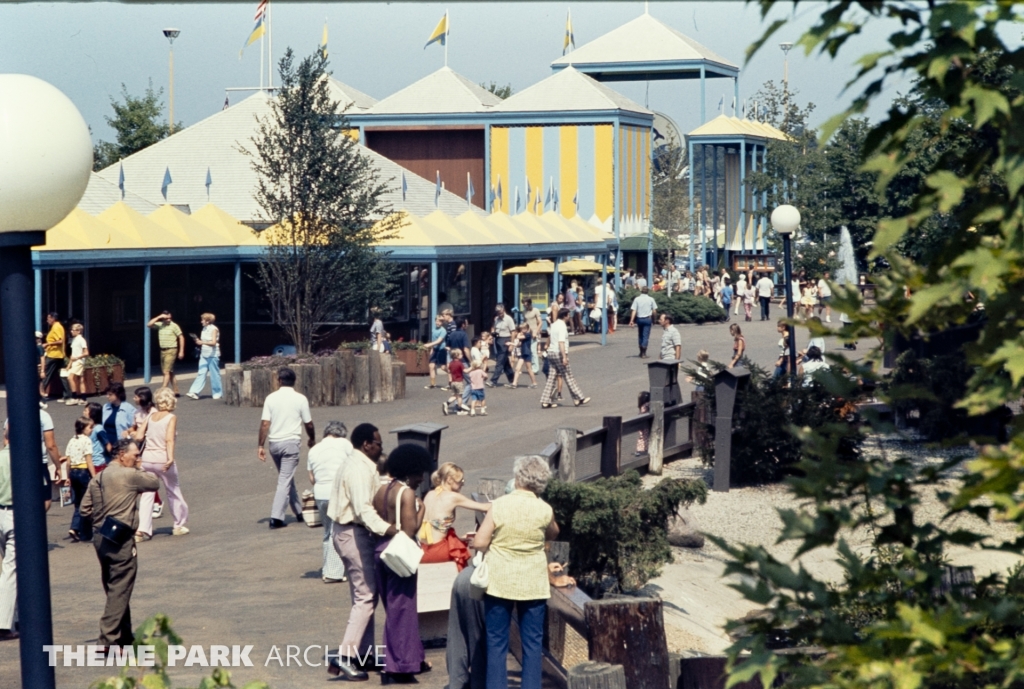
785	221
171	34
47	161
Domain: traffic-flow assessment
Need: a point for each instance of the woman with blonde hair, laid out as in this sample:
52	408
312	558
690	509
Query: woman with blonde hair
209	359
159	431
437	534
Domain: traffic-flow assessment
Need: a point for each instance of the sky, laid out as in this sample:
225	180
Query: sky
88	50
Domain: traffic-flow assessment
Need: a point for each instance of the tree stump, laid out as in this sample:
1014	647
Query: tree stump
328	375
233	385
593	675
385	377
398	379
361	381
374	358
263	381
345	387
308	382
630	632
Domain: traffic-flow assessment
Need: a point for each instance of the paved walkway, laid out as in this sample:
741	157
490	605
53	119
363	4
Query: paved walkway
232	581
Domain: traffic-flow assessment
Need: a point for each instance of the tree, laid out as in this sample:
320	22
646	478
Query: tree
137	124
326	204
893	620
501	92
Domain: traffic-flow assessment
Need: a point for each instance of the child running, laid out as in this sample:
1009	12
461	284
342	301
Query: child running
477	376
456	381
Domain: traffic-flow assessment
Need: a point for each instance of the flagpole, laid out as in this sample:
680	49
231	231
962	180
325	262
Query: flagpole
270	46
447	30
262	62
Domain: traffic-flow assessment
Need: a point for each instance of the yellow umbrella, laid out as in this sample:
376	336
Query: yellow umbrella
538	267
579	266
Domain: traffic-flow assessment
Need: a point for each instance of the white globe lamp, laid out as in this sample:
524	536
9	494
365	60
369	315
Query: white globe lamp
785	219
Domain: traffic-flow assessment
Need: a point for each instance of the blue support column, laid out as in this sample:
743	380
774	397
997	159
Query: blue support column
714	202
433	294
519	300
604	307
650	251
556	285
753	199
38	285
487	172
238	312
743	196
703	101
147	340
764	204
703	193
501	283
736	91
693	228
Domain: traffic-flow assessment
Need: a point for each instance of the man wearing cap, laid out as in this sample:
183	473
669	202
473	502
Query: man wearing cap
172	346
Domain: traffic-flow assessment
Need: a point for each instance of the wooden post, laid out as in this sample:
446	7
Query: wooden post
247	387
346	390
656	444
611	451
384	379
631	633
591	675
233	384
398	379
362	379
373	376
566	437
328	376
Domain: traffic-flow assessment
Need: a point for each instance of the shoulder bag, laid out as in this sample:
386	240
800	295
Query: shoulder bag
114	530
480	579
403	555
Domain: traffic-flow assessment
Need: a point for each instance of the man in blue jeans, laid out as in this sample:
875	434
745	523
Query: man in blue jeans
641	316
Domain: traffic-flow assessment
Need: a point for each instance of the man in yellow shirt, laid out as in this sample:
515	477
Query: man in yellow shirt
53	357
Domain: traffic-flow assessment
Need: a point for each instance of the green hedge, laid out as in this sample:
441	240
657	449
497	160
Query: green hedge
684	308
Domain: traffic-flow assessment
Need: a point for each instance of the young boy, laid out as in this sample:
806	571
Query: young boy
477	376
456	381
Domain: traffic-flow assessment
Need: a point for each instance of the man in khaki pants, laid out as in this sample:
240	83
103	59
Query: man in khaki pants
172	346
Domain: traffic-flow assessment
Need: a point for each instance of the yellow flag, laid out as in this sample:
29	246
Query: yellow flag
257	33
440	34
569	38
323	41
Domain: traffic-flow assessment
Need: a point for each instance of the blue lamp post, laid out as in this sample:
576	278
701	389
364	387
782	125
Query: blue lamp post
47	158
785	221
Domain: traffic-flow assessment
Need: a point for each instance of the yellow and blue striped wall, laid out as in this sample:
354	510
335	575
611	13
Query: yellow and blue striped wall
576	161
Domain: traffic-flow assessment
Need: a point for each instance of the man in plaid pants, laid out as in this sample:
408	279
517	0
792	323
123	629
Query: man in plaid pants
558	361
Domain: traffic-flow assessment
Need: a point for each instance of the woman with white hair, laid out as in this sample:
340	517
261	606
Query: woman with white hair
512	536
324	461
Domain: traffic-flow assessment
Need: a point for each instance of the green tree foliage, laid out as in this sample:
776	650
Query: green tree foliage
684	308
617	529
914	632
501	92
670	190
137	122
326	203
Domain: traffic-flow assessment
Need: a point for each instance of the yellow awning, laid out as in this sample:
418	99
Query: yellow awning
81	231
187	229
580	265
230	230
540	266
144	233
525	234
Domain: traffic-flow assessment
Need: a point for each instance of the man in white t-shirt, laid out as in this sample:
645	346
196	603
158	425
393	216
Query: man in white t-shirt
764	288
285	413
825	297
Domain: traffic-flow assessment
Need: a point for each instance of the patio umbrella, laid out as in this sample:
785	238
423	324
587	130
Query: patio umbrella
579	266
540	266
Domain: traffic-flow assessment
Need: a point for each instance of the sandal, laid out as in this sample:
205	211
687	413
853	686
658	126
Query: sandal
558	578
510	386
580	403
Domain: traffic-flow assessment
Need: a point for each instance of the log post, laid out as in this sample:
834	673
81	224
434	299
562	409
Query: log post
247	388
566	437
592	675
656	446
631	633
398	379
611	451
233	384
362	379
374	358
346	391
328	374
385	378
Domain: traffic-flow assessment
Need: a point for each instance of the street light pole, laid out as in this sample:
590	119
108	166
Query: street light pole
47	163
785	220
171	34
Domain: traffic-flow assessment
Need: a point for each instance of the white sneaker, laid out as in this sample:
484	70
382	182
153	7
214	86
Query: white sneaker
179	530
472	412
828	319
42	404
217	397
192	395
70	402
158	510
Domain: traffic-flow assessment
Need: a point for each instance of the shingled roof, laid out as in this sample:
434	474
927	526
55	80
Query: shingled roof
443	91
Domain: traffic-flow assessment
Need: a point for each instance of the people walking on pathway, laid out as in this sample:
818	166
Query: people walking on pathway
558	361
323	462
739	344
118	415
726	297
503	328
749	296
641	316
782	362
209	359
604	300
512	538
741	289
825	297
532	318
9	566
285	414
438	351
76	364
456	383
114	496
171	341
357	526
397	505
527	347
477	378
78	455
376	331
158	435
144	407
53	357
671	341
101	445
765	288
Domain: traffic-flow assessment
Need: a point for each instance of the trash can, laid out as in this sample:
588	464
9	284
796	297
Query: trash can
426	435
664	381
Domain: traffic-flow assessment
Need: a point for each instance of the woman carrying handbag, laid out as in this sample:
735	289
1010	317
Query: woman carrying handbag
396	504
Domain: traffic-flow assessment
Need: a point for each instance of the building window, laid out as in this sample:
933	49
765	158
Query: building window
453	287
127	308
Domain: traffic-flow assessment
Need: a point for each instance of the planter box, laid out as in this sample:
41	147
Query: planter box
417	361
98	379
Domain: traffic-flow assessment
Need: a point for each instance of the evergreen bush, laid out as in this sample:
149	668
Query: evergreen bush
617	530
683	307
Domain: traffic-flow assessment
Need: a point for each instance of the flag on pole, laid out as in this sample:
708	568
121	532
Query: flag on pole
529	193
734	106
440	33
323	41
470	191
437	190
227	103
167	182
721	103
257	31
260	10
744	110
576	200
517	199
209	181
405	186
498	191
554	200
547	197
120	180
569	39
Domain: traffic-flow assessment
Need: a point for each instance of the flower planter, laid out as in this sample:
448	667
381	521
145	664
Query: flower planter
417	361
98	378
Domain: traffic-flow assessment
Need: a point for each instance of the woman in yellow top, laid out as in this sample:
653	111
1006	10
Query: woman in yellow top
437	536
512	536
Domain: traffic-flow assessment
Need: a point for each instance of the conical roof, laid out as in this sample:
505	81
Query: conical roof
352	100
443	91
642	40
723	125
569	91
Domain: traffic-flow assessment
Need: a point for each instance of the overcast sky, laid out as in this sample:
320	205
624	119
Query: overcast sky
89	49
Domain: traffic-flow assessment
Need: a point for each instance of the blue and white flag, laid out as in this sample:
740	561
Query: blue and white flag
554	200
437	190
167	182
517	200
120	180
721	103
209	181
529	192
470	191
405	186
576	200
498	192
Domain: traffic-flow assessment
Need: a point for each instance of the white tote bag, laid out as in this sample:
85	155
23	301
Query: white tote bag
480	579
403	555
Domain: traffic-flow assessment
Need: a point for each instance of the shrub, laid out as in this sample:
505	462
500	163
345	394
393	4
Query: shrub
617	529
764	447
684	308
